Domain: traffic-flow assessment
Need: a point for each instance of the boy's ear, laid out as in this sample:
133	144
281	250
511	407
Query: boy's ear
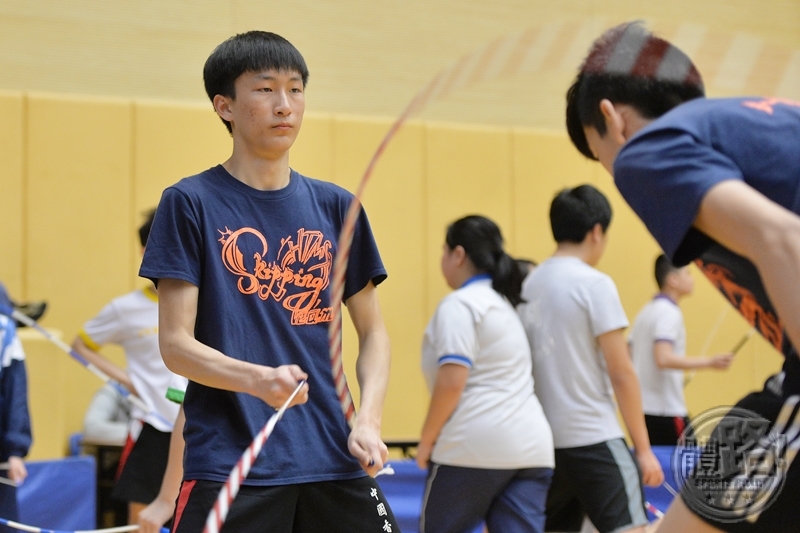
615	121
597	232
222	105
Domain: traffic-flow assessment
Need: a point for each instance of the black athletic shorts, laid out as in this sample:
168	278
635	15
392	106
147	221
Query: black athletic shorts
665	430
747	480
143	471
8	504
601	481
348	506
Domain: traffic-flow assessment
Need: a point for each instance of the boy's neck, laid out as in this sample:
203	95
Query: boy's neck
259	173
582	251
672	294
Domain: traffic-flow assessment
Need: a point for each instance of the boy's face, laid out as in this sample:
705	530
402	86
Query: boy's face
683	281
604	148
267	112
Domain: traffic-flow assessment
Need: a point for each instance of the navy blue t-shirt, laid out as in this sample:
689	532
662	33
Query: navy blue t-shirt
262	261
666	169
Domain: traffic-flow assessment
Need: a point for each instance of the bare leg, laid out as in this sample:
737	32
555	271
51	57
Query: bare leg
679	519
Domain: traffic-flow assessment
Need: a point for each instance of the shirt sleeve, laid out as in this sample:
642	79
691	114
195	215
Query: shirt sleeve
664	176
104	328
106	419
364	264
605	308
174	247
668	326
456	338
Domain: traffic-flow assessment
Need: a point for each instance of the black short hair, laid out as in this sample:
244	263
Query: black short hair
254	51
663	268
483	244
144	229
574	212
629	65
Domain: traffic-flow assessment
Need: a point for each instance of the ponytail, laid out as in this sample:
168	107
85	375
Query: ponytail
483	243
507	279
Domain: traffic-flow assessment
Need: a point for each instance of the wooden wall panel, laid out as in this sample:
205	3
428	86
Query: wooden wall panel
171	141
79	231
13	190
468	172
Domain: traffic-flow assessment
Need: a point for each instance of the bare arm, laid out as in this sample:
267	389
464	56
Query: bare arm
629	397
665	358
185	355
112	370
745	221
450	382
372	372
162	508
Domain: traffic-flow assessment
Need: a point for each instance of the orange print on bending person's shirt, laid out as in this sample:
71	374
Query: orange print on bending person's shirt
767	105
765	321
296	279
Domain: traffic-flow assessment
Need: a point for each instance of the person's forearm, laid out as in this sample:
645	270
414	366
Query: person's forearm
629	399
683	363
109	368
447	390
185	355
372	372
202	364
173	475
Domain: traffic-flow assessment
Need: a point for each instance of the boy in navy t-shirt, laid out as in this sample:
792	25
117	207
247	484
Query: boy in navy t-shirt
243	254
716	181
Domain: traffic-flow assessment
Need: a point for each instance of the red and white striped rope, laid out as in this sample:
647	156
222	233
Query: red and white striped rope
226	496
653	509
343	257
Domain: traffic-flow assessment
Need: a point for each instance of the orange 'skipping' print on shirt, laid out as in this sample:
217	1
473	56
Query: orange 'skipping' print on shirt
296	278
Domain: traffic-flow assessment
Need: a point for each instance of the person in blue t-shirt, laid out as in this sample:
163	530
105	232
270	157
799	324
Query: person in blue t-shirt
243	255
716	181
15	422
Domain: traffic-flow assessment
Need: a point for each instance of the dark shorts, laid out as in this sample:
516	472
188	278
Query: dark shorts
457	499
349	506
601	481
8	504
665	430
143	471
760	476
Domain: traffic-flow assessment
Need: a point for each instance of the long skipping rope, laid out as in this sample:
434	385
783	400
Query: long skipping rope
132	398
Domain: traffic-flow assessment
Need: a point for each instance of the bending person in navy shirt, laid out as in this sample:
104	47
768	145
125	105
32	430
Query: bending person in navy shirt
716	181
243	254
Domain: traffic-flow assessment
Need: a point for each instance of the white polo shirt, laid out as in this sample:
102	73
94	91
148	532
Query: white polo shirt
662	389
498	422
568	305
131	321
